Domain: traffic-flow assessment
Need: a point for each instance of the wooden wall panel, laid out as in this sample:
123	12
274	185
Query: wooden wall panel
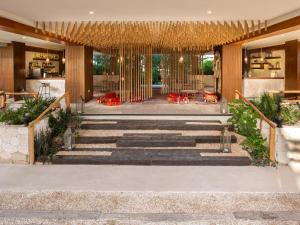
19	66
292	65
79	72
231	70
6	69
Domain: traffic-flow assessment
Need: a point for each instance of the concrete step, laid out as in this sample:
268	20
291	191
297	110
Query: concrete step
66	217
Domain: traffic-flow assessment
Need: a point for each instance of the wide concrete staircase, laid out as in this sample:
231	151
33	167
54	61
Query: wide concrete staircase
152	140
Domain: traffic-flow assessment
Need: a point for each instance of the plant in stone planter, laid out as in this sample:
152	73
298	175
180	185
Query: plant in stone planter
29	111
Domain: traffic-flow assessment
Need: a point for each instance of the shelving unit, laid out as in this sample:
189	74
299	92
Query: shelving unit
267	64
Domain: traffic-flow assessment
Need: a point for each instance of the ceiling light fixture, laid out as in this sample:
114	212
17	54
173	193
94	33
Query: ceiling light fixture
209	12
181	59
91	12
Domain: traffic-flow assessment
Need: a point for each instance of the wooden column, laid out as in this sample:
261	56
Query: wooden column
79	79
6	69
12	67
231	70
292	65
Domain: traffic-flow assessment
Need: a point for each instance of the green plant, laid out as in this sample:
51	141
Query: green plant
270	106
32	107
244	119
290	114
44	146
59	123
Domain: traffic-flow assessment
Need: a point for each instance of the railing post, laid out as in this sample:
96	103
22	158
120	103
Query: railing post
237	96
272	137
68	103
31	144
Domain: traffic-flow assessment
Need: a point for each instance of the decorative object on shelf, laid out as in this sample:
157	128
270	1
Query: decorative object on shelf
69	139
261	55
47	59
224	106
225	139
277	65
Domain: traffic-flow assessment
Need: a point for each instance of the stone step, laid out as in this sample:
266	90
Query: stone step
164	158
146	137
154	142
152	125
109	151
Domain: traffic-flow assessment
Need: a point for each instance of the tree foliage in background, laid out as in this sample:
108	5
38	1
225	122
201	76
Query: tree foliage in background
156	68
208	65
101	63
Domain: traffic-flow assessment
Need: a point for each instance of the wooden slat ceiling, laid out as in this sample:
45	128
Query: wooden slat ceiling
193	35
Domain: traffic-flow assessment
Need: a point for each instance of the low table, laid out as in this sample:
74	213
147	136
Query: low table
191	94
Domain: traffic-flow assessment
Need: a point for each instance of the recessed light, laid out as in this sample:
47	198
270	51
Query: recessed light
209	12
91	12
24	37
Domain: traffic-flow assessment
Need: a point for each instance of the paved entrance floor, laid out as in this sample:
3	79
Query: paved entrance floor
155	106
148	195
148	178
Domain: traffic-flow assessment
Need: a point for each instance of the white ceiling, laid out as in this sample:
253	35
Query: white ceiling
274	40
71	10
7	37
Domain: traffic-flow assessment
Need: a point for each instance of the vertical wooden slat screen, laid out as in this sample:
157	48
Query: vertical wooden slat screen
135	63
180	70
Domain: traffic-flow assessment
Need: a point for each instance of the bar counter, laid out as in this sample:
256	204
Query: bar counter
57	85
256	86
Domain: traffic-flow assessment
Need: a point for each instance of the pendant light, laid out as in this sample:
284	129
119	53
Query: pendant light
246	57
181	59
63	58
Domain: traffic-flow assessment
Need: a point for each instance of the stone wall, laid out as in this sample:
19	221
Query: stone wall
13	144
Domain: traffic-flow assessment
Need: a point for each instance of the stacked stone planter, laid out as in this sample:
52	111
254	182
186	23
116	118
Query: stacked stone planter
14	142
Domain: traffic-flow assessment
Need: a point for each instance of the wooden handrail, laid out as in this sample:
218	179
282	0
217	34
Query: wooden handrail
240	96
34	94
3	98
32	124
272	130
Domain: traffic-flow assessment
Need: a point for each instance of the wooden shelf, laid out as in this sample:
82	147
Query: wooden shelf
273	57
43	59
258	68
274	68
258	63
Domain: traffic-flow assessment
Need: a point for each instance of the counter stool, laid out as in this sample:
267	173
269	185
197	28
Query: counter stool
44	90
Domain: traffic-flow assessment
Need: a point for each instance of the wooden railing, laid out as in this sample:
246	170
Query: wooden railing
4	94
32	124
272	131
